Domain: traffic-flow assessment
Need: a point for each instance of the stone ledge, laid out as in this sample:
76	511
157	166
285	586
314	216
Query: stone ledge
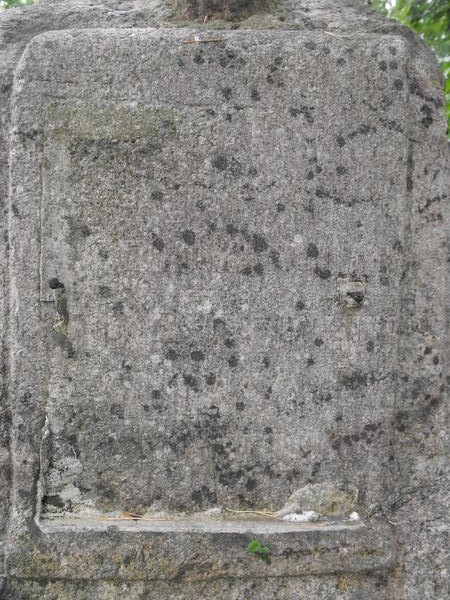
134	551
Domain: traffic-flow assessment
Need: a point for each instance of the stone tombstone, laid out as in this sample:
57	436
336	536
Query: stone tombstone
223	302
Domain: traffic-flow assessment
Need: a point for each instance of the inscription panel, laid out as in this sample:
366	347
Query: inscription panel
199	353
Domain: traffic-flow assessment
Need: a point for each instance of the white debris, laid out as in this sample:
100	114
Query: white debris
303	517
213	511
353	516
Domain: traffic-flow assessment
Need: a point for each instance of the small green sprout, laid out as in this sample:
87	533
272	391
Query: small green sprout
255	547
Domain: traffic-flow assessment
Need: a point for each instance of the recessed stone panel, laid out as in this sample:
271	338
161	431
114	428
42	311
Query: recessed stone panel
196	333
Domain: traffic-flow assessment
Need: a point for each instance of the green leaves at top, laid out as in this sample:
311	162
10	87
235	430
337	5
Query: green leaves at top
255	547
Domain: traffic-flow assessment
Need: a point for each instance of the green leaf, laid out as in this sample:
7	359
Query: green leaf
254	547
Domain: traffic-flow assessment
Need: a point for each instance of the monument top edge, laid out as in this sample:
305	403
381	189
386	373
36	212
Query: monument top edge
339	15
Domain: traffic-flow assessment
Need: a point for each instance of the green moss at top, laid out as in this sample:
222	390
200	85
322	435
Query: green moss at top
116	123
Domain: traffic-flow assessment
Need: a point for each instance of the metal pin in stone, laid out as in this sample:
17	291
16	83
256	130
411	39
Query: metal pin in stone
358	297
55	284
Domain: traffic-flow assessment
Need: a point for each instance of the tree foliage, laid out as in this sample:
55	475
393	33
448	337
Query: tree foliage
431	20
15	3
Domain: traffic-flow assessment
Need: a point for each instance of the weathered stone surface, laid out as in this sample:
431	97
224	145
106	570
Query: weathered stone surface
325	499
226	282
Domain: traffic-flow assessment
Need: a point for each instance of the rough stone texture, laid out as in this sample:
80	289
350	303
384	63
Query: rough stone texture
245	244
322	498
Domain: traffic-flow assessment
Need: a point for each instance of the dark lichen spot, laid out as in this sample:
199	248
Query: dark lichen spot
259	244
310	175
312	251
210	379
220	162
281	207
382	65
118	308
117	411
275	258
318	342
435	360
158	243
311	45
198	57
428	350
84	231
188	237
240	405
322	273
104	291
230	343
340	170
340	141
231	229
427	119
370	346
54	500
299	305
233	361
315	469
197	356
268	429
306	111
255	95
204	496
363	129
398	84
250	484
218	324
354	381
191	381
258	269
340	61
266	362
310	362
213	411
246	271
157	195
336	444
156	394
227	93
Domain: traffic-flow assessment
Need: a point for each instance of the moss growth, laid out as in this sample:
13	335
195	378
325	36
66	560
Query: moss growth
67	124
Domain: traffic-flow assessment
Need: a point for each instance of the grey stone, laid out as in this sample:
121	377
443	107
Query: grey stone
226	282
326	499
